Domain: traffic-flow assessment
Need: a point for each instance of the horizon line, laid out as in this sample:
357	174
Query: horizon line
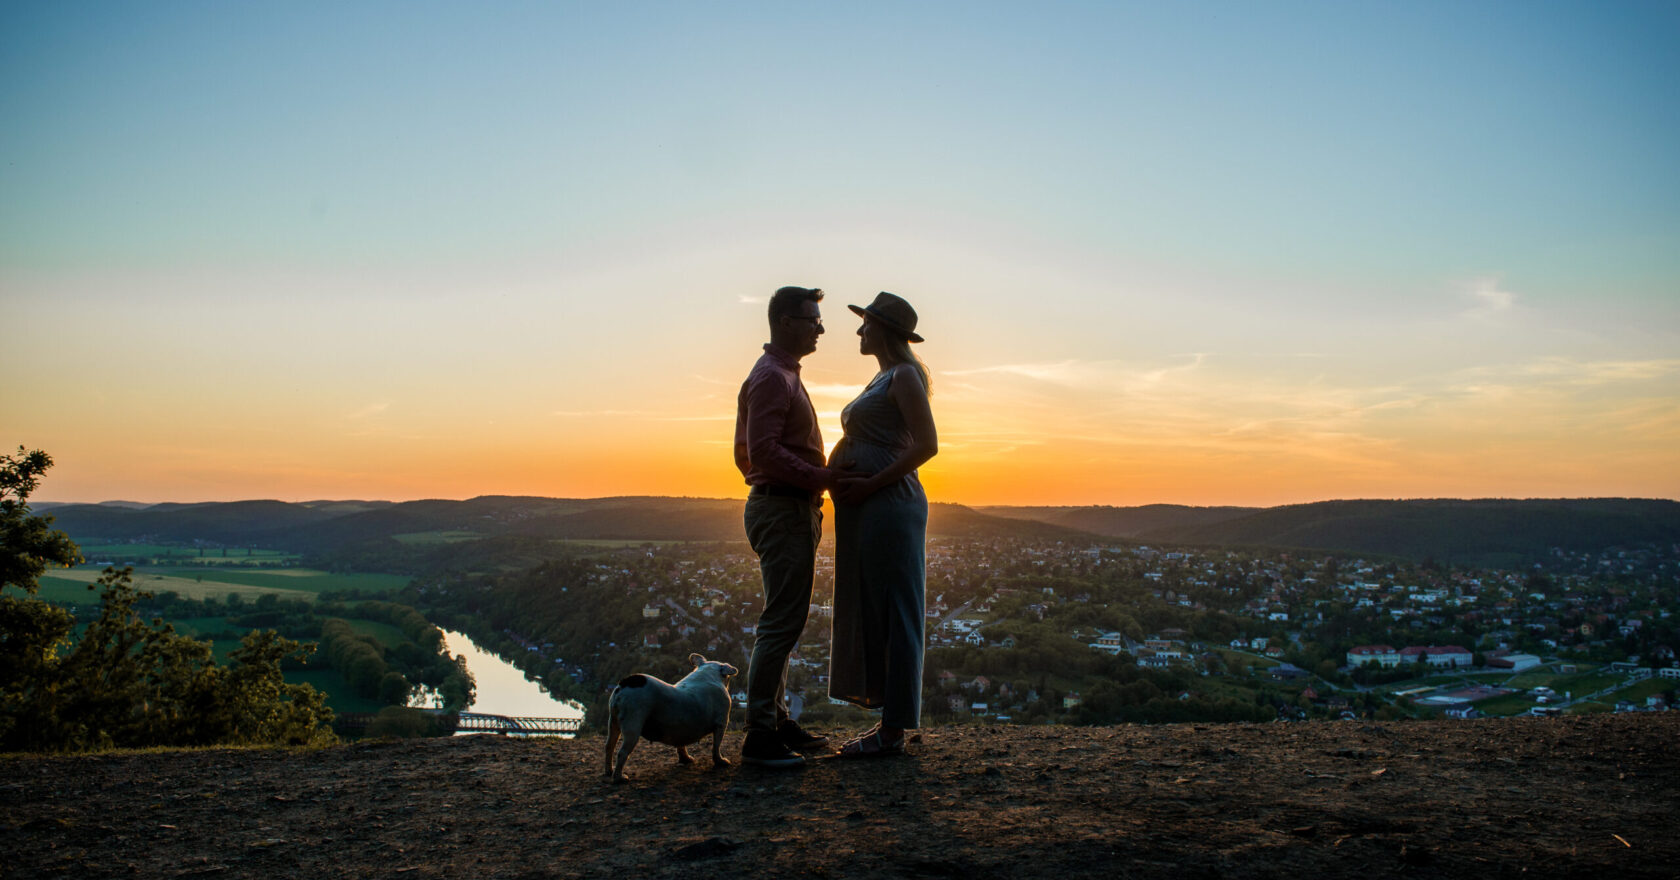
113	502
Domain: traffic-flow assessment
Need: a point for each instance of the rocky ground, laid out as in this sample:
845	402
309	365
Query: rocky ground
1589	797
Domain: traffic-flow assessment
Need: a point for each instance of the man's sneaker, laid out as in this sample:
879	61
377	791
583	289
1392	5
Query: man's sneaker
764	749
799	739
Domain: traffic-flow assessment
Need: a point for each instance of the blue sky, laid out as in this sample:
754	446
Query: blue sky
1311	249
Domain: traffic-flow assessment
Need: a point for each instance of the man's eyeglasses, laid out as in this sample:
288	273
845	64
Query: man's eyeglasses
815	320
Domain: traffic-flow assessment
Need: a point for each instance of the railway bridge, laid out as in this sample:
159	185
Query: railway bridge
354	724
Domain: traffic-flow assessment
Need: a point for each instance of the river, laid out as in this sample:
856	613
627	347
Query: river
502	688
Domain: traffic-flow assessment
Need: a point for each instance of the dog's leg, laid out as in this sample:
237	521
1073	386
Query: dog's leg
612	739
630	738
683	757
718	760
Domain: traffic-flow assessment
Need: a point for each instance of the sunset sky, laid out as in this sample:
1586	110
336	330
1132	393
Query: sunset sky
1199	253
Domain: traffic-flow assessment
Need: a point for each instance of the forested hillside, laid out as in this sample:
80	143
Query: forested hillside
317	527
1123	522
1481	532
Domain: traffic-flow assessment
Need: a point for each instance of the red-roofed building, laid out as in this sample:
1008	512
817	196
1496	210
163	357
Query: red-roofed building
1381	654
1437	655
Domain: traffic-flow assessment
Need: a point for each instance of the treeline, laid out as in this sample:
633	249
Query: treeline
1162	697
1492	532
395	676
126	682
591	616
1110	688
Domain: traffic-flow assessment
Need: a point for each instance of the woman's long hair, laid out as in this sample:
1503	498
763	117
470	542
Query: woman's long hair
898	349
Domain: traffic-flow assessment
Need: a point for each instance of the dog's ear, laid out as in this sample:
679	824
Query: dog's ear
727	670
696	659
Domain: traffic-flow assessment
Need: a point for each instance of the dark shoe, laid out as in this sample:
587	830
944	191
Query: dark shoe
766	750
799	739
873	745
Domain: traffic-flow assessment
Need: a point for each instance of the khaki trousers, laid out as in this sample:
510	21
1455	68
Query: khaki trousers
784	533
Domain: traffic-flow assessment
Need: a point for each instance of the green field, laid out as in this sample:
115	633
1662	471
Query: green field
388	635
617	543
222	649
1647	688
1516	704
1255	661
1541	677
339	695
1584	683
140	553
299	579
70	585
202	627
1459	678
427	538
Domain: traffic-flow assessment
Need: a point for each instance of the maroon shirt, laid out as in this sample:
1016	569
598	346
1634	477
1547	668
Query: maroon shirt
776	436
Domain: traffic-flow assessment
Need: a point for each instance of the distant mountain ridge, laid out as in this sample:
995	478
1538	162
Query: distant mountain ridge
1123	522
1488	531
1479	531
323	525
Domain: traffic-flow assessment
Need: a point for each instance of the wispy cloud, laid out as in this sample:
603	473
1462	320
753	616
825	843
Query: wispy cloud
1573	372
371	409
1059	371
1488	299
1156	375
1094	375
753	300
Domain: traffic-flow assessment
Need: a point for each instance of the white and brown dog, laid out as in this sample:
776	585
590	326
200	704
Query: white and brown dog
676	715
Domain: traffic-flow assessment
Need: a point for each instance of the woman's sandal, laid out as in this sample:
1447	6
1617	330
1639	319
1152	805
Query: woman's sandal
871	745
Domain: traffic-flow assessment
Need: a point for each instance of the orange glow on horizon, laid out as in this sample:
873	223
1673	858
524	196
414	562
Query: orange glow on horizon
1071	473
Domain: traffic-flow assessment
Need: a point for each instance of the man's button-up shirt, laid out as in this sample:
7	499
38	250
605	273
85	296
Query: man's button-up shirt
777	440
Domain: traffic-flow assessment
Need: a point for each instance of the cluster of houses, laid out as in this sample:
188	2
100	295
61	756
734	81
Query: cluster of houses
709	600
1155	652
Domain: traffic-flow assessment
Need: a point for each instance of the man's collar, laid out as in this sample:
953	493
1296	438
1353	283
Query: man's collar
782	356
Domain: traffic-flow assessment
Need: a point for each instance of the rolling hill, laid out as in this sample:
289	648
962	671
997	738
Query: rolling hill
1485	531
322	526
1482	531
1123	522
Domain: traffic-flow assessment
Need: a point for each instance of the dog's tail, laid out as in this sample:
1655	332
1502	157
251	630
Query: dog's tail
629	681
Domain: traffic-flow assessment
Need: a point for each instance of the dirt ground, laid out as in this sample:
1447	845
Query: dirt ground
1588	797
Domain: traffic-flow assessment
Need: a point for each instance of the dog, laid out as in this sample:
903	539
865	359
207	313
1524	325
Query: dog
680	715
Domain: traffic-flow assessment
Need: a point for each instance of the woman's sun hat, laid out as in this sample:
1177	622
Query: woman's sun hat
891	312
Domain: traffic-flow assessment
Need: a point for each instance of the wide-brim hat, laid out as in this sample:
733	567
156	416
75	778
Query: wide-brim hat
891	312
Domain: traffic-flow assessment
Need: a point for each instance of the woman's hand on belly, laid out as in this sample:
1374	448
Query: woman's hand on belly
855	489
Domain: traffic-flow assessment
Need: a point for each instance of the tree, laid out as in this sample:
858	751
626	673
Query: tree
130	683
28	544
125	682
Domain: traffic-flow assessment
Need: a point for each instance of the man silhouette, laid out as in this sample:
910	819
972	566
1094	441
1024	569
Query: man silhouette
779	450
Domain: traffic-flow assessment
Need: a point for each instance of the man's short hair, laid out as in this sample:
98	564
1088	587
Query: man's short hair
785	302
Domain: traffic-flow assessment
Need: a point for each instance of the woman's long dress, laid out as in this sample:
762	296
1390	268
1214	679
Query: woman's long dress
880	567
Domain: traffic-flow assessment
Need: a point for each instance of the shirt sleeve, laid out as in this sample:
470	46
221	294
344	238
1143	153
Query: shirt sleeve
768	403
